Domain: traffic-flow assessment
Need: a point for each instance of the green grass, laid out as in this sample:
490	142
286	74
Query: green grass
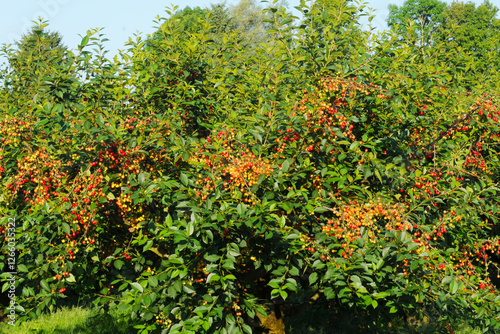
72	321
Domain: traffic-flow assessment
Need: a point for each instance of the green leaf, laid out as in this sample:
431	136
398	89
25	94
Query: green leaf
168	220
66	228
241	209
287	206
320	209
148	245
44	285
414	265
172	292
190	228
446	279
141	178
184	179
211	258
291	284
453	286
212	277
118	264
70	278
412	246
381	295
84	42
188	289
137	286
284	166
282	222
256	134
22	268
153	281
313	278
294	271
233	249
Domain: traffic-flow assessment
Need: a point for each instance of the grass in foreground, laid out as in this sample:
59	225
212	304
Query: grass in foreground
75	320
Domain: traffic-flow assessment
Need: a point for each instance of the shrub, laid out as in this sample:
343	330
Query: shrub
203	190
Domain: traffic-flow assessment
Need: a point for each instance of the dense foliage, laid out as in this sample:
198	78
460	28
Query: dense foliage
206	189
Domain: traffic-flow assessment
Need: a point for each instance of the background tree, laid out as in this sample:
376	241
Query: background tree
221	21
424	15
249	21
454	32
334	36
189	18
473	30
252	20
33	60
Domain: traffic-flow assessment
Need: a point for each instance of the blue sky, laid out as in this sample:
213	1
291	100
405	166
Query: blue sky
119	18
